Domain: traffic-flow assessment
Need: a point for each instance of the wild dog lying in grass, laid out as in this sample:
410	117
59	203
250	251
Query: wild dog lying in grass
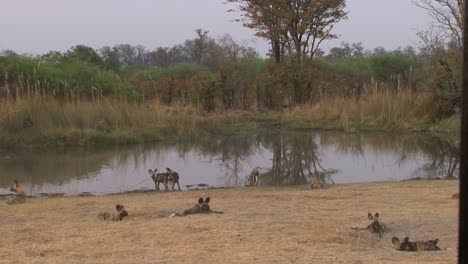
375	226
19	196
406	245
254	177
202	207
121	214
173	178
158	178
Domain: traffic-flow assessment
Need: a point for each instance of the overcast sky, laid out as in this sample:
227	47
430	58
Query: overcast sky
37	26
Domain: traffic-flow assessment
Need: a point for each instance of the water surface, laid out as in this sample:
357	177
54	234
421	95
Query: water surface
283	158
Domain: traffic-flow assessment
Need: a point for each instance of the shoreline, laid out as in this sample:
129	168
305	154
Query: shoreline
213	188
180	127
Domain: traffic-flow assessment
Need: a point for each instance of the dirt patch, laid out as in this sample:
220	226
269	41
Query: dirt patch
259	225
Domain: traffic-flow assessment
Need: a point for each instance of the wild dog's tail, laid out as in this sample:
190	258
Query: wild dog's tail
176	214
216	212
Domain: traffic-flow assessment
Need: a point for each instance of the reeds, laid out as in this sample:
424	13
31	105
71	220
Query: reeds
378	109
33	114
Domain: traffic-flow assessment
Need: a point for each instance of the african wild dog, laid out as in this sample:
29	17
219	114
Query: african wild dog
406	245
158	178
315	183
375	226
19	196
202	207
254	177
121	214
173	177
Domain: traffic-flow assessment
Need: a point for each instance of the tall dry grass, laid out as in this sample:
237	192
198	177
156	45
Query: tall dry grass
378	109
38	118
81	122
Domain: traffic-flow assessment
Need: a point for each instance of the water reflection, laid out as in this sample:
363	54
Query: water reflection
284	158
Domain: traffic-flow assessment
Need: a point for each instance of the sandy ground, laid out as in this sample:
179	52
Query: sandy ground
262	225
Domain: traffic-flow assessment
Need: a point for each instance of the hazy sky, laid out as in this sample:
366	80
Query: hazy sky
37	26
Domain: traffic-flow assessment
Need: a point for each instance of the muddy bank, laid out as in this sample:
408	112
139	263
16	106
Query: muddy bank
259	225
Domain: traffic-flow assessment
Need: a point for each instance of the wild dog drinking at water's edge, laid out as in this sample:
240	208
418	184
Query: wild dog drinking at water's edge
173	178
202	207
375	226
254	177
119	216
406	245
19	196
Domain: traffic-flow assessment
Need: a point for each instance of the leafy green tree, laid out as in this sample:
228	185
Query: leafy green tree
85	53
300	26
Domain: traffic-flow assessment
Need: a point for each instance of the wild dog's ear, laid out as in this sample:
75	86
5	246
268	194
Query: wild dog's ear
168	170
200	200
207	200
396	241
118	207
150	171
406	240
435	241
369	215
376	215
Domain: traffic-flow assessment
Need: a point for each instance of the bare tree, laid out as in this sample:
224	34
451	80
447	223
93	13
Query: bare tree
443	41
161	57
448	16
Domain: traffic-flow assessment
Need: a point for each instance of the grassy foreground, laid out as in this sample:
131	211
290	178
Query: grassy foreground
263	225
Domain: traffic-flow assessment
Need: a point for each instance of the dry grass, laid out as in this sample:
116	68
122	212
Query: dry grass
264	225
379	108
44	120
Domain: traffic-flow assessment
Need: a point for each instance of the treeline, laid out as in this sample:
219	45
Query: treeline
211	74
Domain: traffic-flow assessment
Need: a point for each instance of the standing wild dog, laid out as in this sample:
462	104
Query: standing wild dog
121	213
158	178
253	177
406	245
173	177
375	226
19	196
202	207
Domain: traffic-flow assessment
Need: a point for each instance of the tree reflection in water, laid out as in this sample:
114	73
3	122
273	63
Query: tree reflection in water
296	157
284	158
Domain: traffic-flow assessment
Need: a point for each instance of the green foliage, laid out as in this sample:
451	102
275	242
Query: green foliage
347	65
390	68
179	71
385	66
86	54
61	76
207	89
250	68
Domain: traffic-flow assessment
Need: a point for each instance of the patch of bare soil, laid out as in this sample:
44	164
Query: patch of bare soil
259	225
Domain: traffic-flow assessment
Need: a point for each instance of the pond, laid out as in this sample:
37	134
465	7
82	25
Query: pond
282	157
